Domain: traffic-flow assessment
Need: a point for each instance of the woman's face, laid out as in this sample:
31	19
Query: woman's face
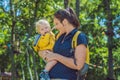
58	25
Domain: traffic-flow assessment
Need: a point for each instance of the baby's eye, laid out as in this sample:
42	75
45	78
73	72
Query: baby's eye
46	27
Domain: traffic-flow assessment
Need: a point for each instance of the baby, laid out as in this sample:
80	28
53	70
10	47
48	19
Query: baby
44	41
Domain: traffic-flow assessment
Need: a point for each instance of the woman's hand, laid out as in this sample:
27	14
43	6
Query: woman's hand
50	56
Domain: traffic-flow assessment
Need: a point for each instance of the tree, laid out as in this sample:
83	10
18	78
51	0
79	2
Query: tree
110	34
77	7
12	13
17	26
66	2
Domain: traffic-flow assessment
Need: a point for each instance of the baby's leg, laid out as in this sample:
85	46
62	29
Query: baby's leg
44	75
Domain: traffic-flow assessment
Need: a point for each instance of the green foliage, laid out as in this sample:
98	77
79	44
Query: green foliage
93	22
91	14
117	63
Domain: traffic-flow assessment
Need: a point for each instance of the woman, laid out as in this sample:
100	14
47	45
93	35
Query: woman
68	62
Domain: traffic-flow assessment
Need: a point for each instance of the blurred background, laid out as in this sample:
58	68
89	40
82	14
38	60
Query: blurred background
99	20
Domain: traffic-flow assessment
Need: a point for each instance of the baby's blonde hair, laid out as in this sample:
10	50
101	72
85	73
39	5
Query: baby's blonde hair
40	23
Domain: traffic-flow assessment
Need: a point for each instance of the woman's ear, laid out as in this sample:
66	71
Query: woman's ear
65	22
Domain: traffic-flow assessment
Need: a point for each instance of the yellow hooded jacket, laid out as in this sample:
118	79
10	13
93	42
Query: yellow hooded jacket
45	42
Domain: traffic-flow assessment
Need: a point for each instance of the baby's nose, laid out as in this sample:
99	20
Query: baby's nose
47	31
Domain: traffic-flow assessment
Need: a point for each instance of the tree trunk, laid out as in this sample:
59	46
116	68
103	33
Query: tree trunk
66	3
33	55
28	62
23	73
30	31
34	63
77	7
110	34
12	40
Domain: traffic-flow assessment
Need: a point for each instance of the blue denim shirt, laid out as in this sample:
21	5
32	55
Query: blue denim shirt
63	47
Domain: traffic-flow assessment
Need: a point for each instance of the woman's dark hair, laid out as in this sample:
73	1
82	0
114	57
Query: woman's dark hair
68	14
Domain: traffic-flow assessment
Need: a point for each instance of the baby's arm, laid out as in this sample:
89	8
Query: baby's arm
50	65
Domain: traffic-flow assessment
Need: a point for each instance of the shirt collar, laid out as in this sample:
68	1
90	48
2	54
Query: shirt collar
71	33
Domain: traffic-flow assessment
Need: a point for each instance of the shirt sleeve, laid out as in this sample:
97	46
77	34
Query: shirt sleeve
82	39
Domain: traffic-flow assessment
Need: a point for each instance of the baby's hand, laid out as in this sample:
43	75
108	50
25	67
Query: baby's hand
42	54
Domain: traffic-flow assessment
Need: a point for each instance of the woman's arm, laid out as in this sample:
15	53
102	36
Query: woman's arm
80	56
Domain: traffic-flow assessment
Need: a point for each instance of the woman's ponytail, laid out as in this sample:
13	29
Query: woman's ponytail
68	14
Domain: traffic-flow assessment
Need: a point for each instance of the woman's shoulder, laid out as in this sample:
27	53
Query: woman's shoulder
82	38
82	34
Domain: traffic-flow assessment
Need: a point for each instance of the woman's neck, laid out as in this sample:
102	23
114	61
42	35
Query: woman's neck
69	28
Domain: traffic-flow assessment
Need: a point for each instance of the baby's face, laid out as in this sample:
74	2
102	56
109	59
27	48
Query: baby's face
43	30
